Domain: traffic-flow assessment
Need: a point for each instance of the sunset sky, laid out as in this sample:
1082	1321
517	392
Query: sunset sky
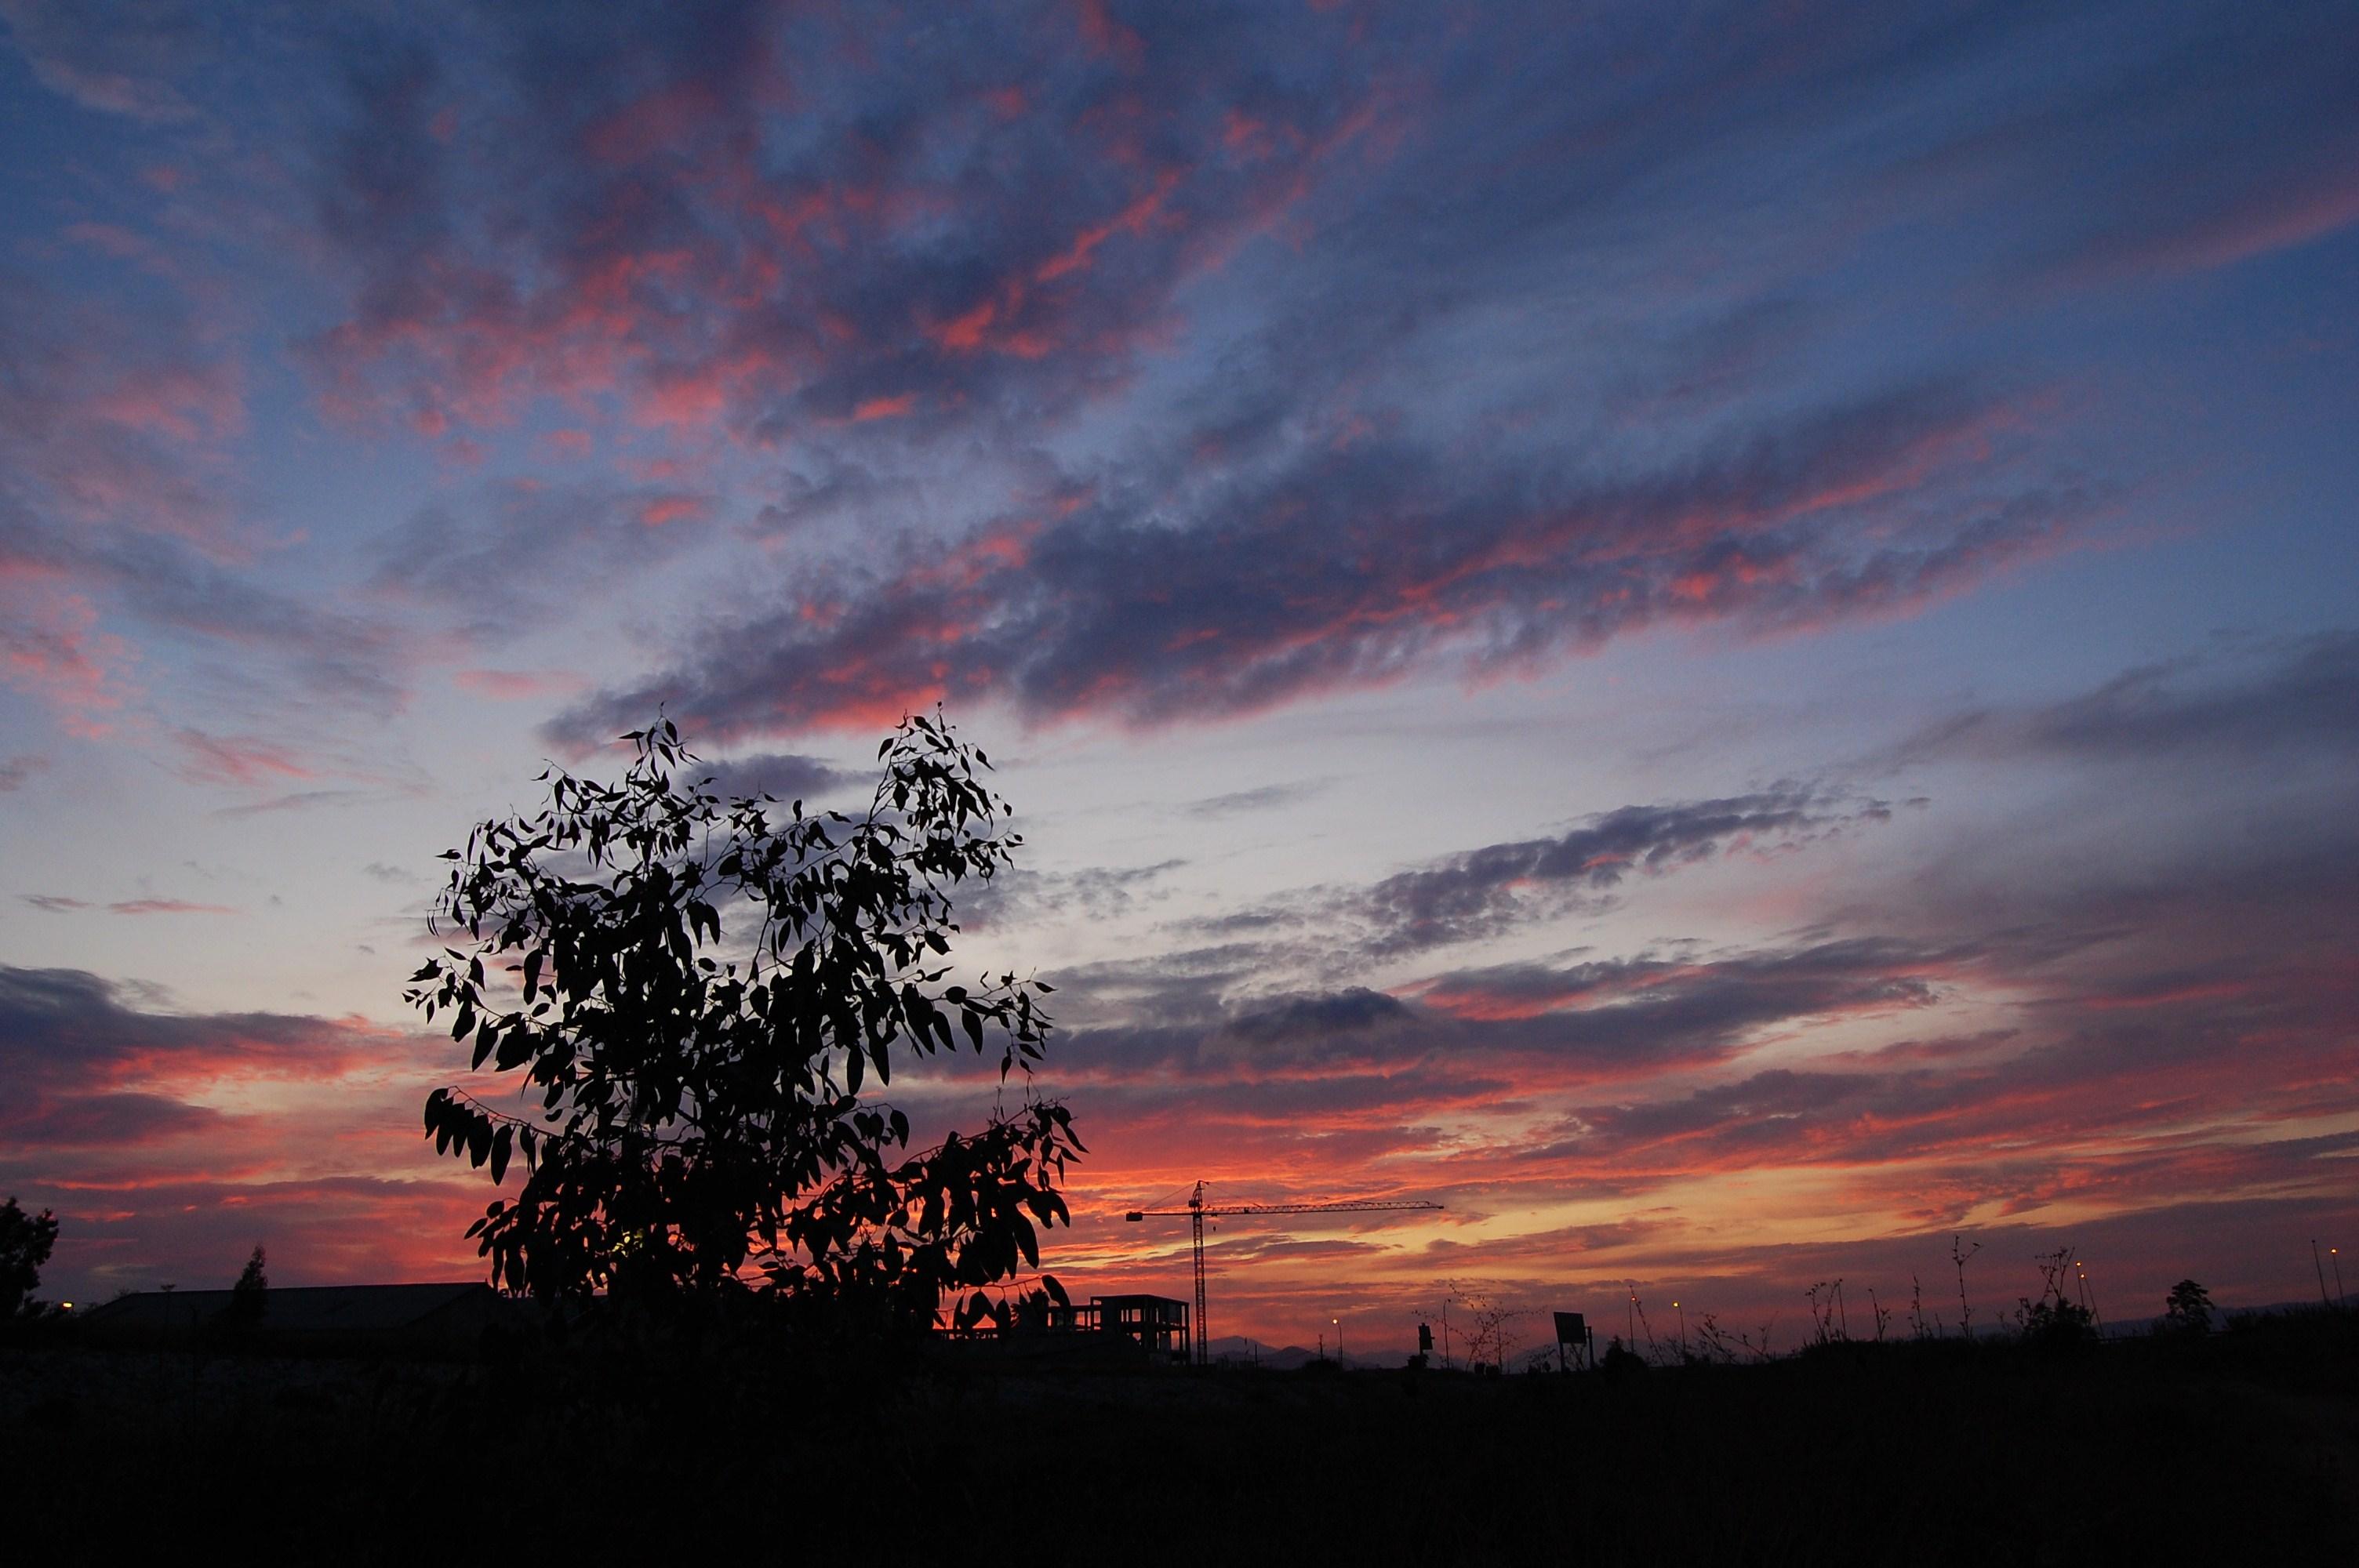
1722	636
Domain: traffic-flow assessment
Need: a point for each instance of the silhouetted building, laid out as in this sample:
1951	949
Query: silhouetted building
451	1316
1157	1323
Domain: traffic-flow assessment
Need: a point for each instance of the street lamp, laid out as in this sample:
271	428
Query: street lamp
1339	1339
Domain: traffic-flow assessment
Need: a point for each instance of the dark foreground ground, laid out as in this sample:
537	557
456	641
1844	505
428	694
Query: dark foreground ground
2241	1448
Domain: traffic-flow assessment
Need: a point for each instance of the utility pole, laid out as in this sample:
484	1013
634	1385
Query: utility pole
2323	1300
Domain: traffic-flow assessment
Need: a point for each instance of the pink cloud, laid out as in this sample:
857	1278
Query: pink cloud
883	407
658	511
237	760
1133	220
50	647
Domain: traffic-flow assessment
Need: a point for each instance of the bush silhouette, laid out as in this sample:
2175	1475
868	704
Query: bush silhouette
25	1243
2056	1320
700	1097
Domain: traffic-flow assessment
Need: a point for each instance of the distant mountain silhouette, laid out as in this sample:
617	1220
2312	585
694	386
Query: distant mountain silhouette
1240	1349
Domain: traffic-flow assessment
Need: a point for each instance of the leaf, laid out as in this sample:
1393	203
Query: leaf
501	1142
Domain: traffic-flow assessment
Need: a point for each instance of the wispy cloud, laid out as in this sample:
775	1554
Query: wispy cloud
2232	703
297	800
1477	894
1269	797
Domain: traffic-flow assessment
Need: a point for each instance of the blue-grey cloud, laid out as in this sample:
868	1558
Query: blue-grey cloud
1354	568
84	1064
521	555
2286	698
1480	893
784	775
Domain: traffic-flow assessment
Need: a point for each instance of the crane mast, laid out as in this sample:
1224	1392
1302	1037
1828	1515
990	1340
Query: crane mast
1198	1211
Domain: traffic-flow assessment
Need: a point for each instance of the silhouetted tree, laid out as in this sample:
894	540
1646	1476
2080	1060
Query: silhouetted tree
25	1243
246	1297
2188	1308
700	1093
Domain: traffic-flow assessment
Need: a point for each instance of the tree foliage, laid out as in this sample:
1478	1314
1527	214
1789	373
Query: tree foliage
696	991
25	1243
247	1296
2188	1308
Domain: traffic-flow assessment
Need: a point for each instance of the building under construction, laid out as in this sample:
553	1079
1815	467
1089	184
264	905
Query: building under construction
1158	1327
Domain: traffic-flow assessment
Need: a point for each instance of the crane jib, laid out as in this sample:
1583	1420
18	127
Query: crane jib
1198	1211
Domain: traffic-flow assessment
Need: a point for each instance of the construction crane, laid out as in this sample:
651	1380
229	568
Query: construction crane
1198	1211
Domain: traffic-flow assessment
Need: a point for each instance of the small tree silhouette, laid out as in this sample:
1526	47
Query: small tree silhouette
246	1299
25	1243
2187	1309
700	1097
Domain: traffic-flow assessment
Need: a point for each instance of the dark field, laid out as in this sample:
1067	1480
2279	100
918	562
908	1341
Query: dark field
2242	1447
